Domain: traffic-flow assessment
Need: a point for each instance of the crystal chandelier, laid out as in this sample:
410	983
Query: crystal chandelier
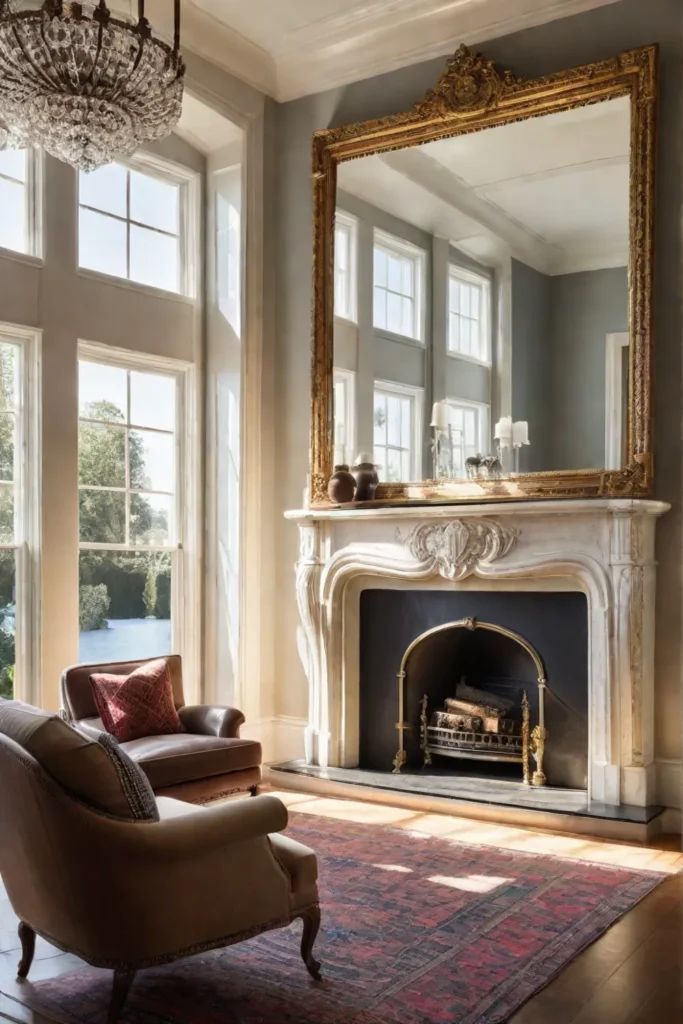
8	137
88	87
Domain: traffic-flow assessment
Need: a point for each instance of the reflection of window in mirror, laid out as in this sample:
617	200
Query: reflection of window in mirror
344	417
397	431
616	400
345	262
469	422
469	320
399	282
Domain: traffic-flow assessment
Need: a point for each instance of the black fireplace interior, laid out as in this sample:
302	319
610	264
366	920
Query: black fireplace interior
555	624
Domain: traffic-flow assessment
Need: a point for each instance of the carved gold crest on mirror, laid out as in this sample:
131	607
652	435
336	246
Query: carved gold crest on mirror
483	263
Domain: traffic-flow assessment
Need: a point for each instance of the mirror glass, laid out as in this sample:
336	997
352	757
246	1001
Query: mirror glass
481	300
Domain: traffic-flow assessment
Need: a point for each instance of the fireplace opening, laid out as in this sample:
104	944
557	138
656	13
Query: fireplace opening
467	695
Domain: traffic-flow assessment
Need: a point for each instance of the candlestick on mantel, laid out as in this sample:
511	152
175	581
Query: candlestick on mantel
520	433
440	417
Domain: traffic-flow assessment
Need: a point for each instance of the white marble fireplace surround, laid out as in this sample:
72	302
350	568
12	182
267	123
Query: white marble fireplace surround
603	548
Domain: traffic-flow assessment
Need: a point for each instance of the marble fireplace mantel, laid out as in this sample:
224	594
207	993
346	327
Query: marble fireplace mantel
603	548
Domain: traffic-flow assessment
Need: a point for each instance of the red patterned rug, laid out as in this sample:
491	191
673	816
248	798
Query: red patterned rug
416	930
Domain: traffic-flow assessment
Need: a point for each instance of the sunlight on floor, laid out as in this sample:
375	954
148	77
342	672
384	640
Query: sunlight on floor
656	857
398	868
472	883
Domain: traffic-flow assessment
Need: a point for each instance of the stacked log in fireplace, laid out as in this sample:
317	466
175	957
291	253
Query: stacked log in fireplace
474	724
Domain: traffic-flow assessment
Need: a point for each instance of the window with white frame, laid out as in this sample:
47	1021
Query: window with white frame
133	224
398	281
344	417
469	315
345	265
397	431
19	200
133	508
469	426
19	513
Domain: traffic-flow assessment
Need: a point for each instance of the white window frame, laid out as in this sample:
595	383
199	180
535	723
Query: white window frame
189	264
484	440
393	245
33	187
343	219
186	548
416	395
471	277
27	512
614	393
348	379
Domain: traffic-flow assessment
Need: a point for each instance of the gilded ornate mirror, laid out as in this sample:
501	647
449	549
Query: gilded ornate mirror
483	287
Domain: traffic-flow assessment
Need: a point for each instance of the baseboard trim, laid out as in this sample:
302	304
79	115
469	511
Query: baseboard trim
281	737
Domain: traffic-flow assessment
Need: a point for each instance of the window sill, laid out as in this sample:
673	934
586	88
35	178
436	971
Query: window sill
404	339
486	363
21	257
133	286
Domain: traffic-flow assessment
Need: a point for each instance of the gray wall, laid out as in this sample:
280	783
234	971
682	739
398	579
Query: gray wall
584	309
591	36
531	363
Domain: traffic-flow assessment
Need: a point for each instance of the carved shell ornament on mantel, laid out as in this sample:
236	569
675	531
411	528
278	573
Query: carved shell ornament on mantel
457	548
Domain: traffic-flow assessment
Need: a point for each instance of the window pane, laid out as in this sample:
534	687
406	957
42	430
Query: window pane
454	295
464	336
394	273
393	473
154	202
406	411
101	456
102	392
475	344
102	244
407	320
6	513
341	247
13	216
152	400
125	605
380	420
407	277
151	519
394	420
13	163
9	370
104	189
476	292
406	473
465	299
380	259
6	446
380	309
454	335
7	622
103	517
394	321
152	461
153	259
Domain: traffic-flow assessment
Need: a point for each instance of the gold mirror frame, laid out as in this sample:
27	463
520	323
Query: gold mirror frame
472	95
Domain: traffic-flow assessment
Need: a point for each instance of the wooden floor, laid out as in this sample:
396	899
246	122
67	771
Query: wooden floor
632	975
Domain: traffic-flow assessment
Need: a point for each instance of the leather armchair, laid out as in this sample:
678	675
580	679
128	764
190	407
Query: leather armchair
81	876
207	761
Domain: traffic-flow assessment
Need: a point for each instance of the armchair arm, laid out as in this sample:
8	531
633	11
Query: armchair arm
211	720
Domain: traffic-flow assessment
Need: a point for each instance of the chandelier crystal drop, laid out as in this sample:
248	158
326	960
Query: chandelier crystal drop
86	86
9	138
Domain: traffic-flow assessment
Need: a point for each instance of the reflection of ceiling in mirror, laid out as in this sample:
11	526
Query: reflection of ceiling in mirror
552	191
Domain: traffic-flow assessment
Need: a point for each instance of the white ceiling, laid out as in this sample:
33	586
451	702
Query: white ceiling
290	48
552	191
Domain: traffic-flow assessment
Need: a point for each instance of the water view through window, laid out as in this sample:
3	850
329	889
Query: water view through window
127	478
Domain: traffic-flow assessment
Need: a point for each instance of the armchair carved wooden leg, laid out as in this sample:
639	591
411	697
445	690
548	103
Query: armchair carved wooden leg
28	948
122	982
311	919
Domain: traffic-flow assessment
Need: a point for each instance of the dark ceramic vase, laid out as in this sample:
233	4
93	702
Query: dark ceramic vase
341	486
366	481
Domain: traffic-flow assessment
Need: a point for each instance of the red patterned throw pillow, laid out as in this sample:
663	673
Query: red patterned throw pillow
137	705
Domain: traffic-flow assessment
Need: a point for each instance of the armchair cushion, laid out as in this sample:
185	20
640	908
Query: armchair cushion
96	771
170	760
140	704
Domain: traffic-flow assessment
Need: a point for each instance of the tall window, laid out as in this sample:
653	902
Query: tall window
130	523
131	226
18	200
397	431
469	323
398	286
468	434
19	513
344	417
345	272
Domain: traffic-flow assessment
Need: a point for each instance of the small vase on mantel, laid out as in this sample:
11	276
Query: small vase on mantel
367	478
341	486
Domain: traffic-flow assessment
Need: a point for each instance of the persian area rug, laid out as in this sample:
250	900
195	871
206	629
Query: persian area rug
416	930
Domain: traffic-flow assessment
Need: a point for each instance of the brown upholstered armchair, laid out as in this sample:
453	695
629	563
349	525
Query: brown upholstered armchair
204	763
87	854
